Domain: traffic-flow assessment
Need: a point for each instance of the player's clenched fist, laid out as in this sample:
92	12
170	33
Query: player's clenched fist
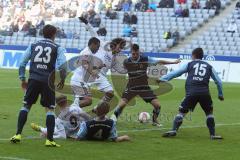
24	85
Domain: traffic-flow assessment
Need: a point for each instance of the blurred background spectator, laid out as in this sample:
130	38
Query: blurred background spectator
95	21
127	31
126	18
134	32
232	28
166	4
102	31
195	4
179	11
175	37
167	34
126	6
213	4
238	5
181	1
133	19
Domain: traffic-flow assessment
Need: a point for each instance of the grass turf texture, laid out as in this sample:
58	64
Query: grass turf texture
191	143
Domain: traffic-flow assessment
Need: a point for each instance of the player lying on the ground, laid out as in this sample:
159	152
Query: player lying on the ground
100	128
68	121
136	67
197	91
96	48
45	57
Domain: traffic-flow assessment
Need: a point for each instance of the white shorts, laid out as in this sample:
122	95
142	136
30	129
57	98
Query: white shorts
102	84
82	89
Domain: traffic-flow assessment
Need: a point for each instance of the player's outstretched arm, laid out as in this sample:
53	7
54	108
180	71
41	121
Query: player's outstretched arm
114	136
174	74
22	68
88	27
122	138
218	82
163	62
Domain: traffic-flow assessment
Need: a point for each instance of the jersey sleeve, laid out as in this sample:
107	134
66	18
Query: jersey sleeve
174	74
81	135
61	64
61	58
94	34
152	61
25	58
113	134
217	81
91	30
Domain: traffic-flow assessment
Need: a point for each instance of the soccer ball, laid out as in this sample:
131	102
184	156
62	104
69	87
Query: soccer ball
144	117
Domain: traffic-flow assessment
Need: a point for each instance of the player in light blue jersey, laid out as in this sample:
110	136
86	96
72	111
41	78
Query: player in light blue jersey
44	56
197	91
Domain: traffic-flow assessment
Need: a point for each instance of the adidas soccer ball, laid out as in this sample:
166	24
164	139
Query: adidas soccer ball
144	117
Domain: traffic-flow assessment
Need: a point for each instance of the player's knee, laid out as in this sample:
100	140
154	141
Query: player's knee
88	101
209	112
26	108
179	117
50	112
123	103
210	116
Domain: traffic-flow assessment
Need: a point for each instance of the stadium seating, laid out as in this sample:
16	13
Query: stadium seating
151	27
217	40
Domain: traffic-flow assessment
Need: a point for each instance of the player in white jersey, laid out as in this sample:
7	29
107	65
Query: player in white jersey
98	49
67	122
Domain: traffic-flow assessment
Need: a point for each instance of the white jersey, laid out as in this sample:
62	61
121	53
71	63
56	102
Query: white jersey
108	57
71	118
99	59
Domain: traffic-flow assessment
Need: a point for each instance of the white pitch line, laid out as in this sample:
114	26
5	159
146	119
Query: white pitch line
8	139
13	158
2	88
160	128
148	129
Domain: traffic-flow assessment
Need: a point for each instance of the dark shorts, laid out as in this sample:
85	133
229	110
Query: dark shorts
190	102
145	93
36	88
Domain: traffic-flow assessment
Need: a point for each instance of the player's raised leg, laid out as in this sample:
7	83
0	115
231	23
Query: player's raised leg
118	110
187	104
177	122
82	95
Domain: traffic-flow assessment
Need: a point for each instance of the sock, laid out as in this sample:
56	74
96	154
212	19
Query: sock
50	123
156	112
107	97
118	111
22	118
211	124
177	122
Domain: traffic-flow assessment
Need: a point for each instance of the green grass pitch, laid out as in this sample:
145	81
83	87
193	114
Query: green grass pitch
192	142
